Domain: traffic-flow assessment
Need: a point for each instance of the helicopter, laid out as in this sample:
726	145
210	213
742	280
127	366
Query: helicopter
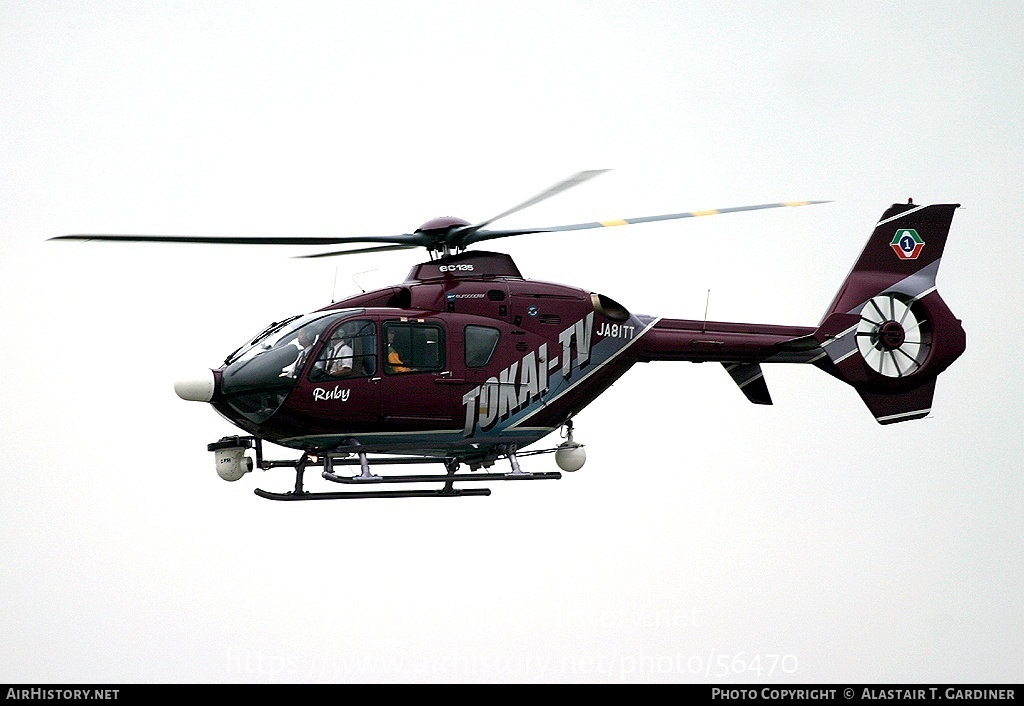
467	362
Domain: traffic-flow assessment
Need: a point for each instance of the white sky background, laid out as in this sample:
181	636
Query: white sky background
702	528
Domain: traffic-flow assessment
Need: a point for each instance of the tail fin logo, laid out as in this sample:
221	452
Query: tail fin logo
907	244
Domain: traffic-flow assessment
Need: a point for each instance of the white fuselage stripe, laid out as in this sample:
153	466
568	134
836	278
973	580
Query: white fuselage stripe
893	417
600	365
900	215
840	336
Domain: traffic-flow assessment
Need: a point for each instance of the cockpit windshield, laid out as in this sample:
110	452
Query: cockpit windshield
281	333
257	377
275	356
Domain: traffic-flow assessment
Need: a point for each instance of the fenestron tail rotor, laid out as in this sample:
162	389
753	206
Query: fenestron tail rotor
444	235
892	337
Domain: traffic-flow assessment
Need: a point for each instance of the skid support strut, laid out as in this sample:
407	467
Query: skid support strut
331	460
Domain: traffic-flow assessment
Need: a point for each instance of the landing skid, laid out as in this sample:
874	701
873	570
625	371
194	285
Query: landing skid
329	461
360	494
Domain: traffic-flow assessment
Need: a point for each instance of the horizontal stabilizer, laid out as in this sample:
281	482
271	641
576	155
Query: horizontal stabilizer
750	380
890	408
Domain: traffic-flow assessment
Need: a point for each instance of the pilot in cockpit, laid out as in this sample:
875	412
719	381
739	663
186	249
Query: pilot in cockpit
305	342
340	357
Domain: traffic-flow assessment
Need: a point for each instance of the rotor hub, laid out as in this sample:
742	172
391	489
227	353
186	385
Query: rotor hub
894	335
891	335
442	223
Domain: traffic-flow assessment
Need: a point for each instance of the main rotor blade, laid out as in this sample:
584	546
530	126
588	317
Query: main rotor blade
564	185
410	239
479	235
380	248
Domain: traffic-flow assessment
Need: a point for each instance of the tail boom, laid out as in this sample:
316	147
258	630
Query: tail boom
718	341
740	348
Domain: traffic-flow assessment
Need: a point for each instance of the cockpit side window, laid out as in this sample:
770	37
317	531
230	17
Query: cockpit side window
413	347
481	341
350	351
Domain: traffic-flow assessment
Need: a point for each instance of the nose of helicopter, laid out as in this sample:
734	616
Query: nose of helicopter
199	388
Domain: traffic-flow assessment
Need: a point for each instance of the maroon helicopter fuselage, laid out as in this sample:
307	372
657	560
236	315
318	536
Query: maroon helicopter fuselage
512	359
467	359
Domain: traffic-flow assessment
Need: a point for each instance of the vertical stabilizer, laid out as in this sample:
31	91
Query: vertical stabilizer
888	332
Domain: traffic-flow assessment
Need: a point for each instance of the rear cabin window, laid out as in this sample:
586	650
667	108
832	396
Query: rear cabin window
481	342
413	347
